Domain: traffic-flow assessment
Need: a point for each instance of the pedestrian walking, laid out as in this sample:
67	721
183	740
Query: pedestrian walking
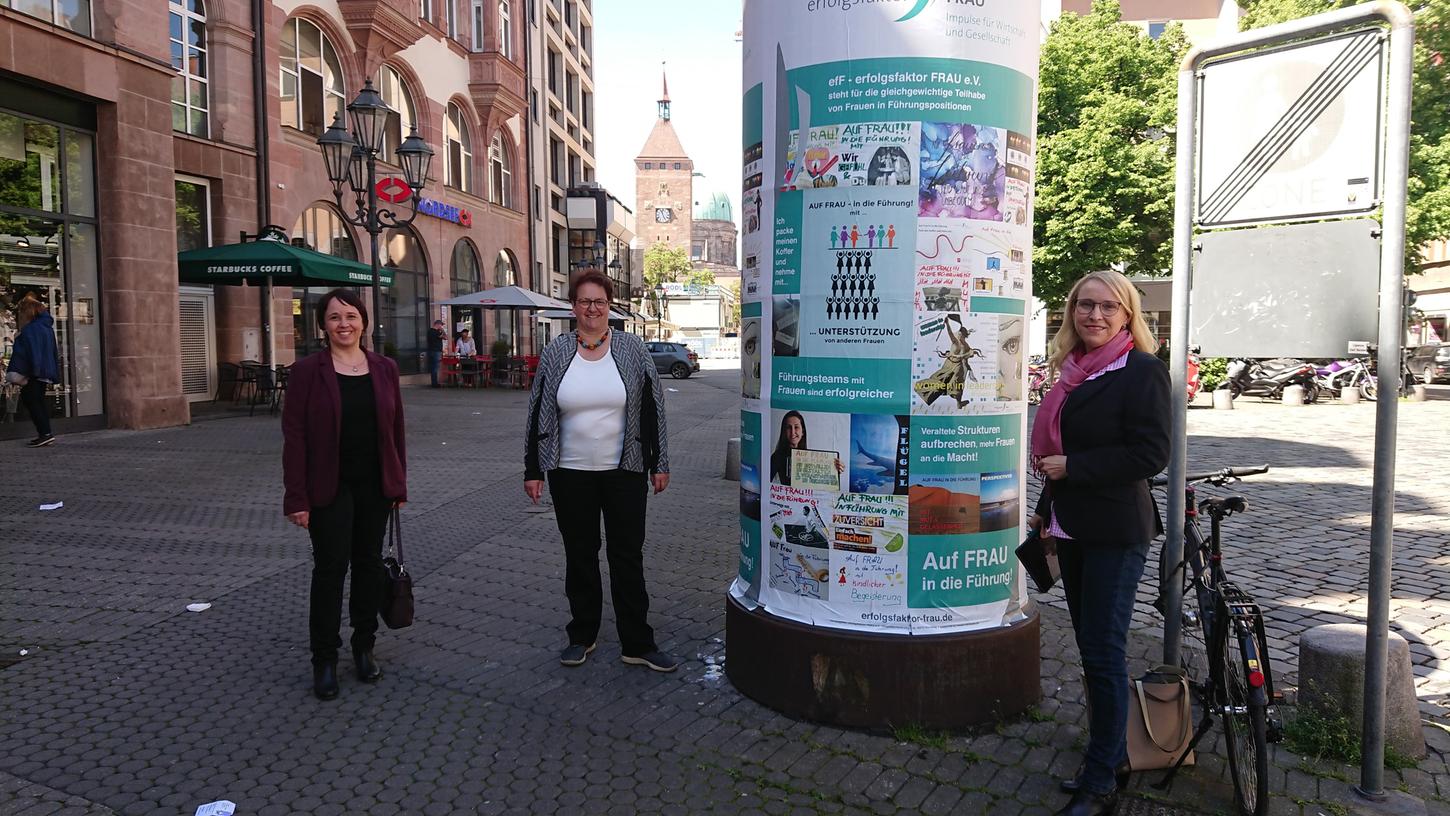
35	365
596	430
344	469
436	340
1100	435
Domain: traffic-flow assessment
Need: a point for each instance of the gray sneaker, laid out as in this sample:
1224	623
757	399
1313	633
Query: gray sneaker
657	660
575	654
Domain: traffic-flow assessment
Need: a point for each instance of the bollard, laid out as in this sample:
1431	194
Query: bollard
732	459
1349	395
1223	399
1418	393
1293	395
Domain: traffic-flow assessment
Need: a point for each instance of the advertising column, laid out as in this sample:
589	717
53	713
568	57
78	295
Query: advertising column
887	178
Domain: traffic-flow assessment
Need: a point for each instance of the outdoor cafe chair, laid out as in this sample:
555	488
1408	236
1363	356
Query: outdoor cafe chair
450	372
228	381
264	389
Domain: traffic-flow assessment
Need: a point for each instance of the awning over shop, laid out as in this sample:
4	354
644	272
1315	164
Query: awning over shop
566	314
507	297
286	265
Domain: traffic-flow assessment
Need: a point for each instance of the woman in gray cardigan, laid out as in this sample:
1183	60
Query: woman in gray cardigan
596	429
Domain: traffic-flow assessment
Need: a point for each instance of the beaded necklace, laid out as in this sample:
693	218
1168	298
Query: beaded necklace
588	346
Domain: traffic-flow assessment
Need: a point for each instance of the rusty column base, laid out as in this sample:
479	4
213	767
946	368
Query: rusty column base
860	680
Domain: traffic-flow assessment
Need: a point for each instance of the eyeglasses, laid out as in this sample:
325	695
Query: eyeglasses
1108	308
592	304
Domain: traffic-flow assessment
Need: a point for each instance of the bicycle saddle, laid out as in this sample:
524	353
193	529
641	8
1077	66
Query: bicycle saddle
1226	504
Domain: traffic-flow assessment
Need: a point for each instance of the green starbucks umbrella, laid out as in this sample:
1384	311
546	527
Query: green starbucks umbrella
282	263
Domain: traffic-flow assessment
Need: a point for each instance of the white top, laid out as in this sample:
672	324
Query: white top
591	415
465	347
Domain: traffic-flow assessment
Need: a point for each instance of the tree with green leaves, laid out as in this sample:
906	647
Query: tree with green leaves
1104	186
1428	216
663	264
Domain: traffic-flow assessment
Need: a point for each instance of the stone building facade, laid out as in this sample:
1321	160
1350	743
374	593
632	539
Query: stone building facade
664	185
131	130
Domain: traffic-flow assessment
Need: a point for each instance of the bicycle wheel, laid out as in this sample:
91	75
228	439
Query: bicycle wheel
1245	727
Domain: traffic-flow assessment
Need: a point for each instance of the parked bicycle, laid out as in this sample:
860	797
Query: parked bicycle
1223	637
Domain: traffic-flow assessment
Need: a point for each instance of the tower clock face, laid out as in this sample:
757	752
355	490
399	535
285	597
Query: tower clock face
664	215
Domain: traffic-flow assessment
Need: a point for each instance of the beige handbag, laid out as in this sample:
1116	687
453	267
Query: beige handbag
1160	719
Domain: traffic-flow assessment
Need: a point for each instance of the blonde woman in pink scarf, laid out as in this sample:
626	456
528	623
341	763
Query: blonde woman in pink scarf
1101	433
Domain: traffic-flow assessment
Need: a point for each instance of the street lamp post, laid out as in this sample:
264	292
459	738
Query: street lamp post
660	297
354	163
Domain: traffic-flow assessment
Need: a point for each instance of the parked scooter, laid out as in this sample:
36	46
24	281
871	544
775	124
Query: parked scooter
1269	378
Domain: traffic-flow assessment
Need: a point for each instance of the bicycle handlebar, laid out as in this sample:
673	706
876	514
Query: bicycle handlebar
1214	475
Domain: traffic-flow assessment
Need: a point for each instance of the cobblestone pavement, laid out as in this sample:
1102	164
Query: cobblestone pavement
115	699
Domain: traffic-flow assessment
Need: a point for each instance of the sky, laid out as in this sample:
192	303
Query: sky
697	43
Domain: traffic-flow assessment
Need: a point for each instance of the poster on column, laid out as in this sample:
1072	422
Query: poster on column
887	249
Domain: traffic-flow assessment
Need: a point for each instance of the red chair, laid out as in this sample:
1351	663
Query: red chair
531	369
451	370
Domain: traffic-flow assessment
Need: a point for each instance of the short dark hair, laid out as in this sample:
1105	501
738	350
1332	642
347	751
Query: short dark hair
347	296
595	277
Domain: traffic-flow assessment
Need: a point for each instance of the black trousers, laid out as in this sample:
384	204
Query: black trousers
348	531
581	498
32	396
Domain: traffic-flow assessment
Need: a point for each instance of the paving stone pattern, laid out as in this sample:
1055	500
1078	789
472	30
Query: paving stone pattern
125	703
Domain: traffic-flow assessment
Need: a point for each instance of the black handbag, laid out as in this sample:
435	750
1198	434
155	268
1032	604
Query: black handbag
1041	567
397	606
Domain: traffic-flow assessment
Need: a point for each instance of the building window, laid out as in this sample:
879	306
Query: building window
404	116
1156	29
678	166
459	146
586	110
72	14
193	214
475	27
450	14
188	57
500	173
425	10
321	227
464	274
503	270
405	304
697	250
312	81
505	30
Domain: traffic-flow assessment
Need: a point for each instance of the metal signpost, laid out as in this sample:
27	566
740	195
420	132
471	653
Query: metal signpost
1232	200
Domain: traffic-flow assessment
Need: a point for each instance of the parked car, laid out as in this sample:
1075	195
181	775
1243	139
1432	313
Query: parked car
675	359
1430	362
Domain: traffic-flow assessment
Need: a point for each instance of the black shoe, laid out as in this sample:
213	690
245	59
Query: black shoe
1072	785
324	680
41	441
1091	804
575	654
367	667
657	660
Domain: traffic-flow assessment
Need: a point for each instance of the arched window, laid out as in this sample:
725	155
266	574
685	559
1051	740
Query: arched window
404	115
312	80
500	172
189	102
321	228
503	269
405	304
464	274
459	145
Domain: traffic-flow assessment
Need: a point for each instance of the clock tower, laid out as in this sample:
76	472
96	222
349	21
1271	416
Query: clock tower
664	184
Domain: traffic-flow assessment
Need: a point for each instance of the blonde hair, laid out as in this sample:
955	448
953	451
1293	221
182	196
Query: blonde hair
1066	338
27	309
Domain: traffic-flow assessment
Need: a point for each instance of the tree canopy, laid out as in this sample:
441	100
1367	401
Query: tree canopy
1428	218
1106	108
663	264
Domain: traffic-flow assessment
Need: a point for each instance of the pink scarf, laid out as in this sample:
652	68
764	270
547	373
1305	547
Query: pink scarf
1079	365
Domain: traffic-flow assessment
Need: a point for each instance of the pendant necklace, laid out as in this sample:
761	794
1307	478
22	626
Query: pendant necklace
588	346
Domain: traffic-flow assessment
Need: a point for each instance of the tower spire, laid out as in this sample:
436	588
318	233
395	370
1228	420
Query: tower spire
664	100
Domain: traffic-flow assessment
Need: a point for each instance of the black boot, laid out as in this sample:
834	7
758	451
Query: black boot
324	680
1091	804
1072	785
367	667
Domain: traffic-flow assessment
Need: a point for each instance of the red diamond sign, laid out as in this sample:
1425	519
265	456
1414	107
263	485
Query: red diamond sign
394	190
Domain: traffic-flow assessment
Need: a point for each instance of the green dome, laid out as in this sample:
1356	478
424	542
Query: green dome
715	208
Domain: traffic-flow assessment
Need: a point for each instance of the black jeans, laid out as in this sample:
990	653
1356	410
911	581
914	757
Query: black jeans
351	530
581	497
32	396
1100	580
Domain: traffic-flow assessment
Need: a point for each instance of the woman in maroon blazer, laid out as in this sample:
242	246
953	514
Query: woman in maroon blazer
344	468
